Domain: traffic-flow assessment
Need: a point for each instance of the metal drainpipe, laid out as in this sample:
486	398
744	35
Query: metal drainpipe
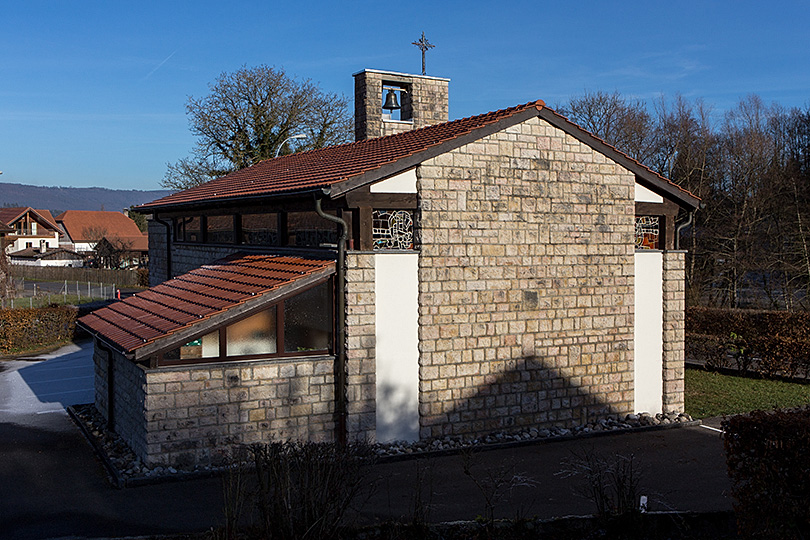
168	245
340	354
681	227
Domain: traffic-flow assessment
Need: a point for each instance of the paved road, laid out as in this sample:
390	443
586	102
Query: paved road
51	485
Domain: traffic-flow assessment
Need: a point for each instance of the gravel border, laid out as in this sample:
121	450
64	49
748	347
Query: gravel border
126	470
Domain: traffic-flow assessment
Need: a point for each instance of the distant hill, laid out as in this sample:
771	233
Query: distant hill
59	199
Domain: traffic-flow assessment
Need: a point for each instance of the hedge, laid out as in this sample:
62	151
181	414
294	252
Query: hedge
768	458
22	329
768	342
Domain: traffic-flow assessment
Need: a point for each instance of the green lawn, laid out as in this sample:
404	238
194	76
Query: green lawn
712	394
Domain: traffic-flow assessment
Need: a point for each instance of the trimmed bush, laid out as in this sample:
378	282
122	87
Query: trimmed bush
768	457
22	329
770	343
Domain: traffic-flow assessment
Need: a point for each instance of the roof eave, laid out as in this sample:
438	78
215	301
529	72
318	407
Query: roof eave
225	200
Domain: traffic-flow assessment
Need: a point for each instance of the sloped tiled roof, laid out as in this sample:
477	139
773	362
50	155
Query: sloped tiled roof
86	225
129	243
10	215
5	228
341	168
204	294
325	167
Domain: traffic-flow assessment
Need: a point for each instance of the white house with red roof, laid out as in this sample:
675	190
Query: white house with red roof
31	228
84	228
435	278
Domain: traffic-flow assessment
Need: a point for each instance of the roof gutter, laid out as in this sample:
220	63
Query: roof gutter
341	392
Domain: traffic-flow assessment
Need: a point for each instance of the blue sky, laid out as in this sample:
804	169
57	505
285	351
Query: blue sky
94	93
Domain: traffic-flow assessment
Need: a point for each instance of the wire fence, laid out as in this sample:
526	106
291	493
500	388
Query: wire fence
31	294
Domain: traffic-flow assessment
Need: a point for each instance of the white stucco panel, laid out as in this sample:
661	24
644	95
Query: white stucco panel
396	290
645	195
649	331
401	183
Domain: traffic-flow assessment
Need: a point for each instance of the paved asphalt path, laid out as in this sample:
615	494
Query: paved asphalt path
52	486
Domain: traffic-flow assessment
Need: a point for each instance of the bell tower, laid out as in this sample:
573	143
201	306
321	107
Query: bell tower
386	102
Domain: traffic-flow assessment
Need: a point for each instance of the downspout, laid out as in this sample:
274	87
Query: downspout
341	412
168	244
681	227
110	383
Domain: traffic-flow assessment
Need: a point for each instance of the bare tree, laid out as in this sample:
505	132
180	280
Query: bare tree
624	124
247	117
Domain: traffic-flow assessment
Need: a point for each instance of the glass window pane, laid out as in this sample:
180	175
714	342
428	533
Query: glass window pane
189	229
205	347
392	229
310	229
308	320
260	229
254	335
220	229
647	232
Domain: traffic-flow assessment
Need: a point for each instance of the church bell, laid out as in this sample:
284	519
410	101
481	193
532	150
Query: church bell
391	102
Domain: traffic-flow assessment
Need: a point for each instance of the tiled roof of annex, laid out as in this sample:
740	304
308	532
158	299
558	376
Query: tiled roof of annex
326	167
201	294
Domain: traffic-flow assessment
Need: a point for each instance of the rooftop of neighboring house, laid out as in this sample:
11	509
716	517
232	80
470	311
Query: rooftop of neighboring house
129	243
11	215
49	253
5	228
339	169
91	225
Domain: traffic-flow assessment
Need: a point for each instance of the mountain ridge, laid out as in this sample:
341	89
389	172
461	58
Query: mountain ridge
58	198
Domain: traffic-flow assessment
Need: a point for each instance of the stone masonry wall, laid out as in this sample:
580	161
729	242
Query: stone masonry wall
674	330
129	382
360	347
193	414
526	284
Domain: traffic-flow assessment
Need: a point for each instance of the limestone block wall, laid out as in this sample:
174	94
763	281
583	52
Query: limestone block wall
129	385
193	414
526	284
674	329
360	346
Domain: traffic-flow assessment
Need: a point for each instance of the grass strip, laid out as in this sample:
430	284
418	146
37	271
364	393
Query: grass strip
713	394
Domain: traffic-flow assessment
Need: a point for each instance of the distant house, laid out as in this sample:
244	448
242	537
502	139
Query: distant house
499	272
30	228
84	228
46	257
122	252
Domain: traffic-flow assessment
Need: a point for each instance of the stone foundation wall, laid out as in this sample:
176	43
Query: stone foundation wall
193	414
674	329
526	284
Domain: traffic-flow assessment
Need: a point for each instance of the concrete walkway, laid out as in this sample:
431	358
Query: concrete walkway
52	486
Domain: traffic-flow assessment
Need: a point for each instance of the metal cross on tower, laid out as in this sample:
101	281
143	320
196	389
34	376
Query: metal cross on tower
423	45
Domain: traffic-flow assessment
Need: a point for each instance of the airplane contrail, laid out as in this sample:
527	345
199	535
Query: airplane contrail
160	64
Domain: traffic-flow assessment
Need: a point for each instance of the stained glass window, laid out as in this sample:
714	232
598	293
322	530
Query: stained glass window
647	232
392	229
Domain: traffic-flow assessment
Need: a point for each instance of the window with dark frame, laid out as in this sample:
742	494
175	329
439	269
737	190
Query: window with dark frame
260	229
299	325
220	229
308	229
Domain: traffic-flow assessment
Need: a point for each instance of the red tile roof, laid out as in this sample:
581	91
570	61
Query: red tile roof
10	215
90	225
350	164
185	301
328	166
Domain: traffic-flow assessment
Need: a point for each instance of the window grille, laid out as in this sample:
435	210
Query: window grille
648	232
392	229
